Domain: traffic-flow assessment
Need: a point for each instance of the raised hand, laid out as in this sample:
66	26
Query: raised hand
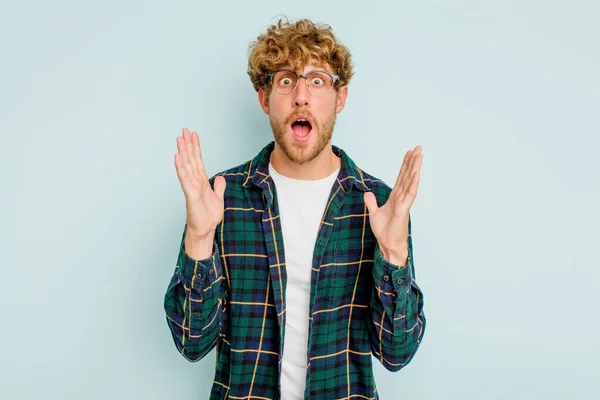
389	222
204	206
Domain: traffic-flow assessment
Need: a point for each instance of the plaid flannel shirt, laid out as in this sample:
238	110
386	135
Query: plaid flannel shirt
361	305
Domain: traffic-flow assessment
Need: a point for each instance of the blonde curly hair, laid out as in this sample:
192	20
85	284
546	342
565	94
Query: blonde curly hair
295	44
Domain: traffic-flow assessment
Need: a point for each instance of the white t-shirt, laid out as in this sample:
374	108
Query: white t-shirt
301	207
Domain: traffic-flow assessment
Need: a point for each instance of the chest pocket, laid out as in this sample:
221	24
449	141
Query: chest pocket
349	272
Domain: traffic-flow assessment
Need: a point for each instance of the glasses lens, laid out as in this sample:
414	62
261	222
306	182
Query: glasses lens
319	82
284	82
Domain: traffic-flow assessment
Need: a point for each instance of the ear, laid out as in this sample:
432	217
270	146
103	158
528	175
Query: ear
340	100
263	99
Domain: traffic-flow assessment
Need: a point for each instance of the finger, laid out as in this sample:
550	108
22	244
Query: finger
198	156
193	150
415	153
411	193
414	177
411	167
402	169
220	184
187	137
184	157
371	202
181	172
411	172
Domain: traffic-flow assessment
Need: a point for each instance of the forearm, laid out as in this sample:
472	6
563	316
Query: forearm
194	303
398	322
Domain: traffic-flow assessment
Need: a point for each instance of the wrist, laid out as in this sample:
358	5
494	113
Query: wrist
399	260
198	247
198	233
395	256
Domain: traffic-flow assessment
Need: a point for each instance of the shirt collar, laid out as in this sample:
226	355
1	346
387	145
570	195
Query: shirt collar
349	175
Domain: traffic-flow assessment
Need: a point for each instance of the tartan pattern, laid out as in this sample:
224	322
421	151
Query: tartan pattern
361	305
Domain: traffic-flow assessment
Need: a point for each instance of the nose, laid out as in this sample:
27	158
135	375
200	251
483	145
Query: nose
301	94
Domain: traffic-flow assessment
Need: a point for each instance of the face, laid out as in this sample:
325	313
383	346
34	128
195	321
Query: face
301	142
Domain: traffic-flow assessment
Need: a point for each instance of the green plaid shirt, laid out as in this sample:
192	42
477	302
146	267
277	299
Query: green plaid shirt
361	305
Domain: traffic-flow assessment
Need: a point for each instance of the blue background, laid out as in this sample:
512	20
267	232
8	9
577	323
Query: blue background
503	96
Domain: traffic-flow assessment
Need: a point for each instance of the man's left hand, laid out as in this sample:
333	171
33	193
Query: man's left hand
389	222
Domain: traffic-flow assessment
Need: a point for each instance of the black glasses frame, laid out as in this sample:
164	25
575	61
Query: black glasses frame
334	78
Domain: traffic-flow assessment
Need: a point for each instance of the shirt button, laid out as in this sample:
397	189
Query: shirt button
386	278
198	276
196	313
211	272
399	281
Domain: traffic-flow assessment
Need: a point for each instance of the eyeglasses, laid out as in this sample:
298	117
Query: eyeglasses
318	82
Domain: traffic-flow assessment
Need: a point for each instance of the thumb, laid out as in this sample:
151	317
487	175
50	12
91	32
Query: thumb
371	202
220	185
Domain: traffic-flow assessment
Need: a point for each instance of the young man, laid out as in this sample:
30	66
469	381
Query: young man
287	264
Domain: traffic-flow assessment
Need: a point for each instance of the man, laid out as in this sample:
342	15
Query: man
287	264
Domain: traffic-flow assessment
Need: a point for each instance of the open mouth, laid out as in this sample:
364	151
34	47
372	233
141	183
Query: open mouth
301	128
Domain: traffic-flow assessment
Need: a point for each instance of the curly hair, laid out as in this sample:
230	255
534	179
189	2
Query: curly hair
296	44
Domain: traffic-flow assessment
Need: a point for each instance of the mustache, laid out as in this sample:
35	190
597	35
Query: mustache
293	115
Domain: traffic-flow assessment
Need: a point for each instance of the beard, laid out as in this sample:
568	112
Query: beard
302	153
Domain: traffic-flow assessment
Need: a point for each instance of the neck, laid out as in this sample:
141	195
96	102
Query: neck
321	167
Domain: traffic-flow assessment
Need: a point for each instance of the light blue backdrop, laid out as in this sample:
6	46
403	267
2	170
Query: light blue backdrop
503	95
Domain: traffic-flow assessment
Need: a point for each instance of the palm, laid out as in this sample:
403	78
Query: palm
204	205
389	222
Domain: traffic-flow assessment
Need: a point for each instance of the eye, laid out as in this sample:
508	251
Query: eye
319	79
285	81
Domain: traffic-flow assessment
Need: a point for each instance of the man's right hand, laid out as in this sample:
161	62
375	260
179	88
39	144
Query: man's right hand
204	206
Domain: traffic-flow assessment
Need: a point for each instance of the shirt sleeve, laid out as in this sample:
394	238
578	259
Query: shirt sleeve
195	303
398	322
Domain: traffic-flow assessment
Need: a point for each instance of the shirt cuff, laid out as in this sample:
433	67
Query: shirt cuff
391	277
197	274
